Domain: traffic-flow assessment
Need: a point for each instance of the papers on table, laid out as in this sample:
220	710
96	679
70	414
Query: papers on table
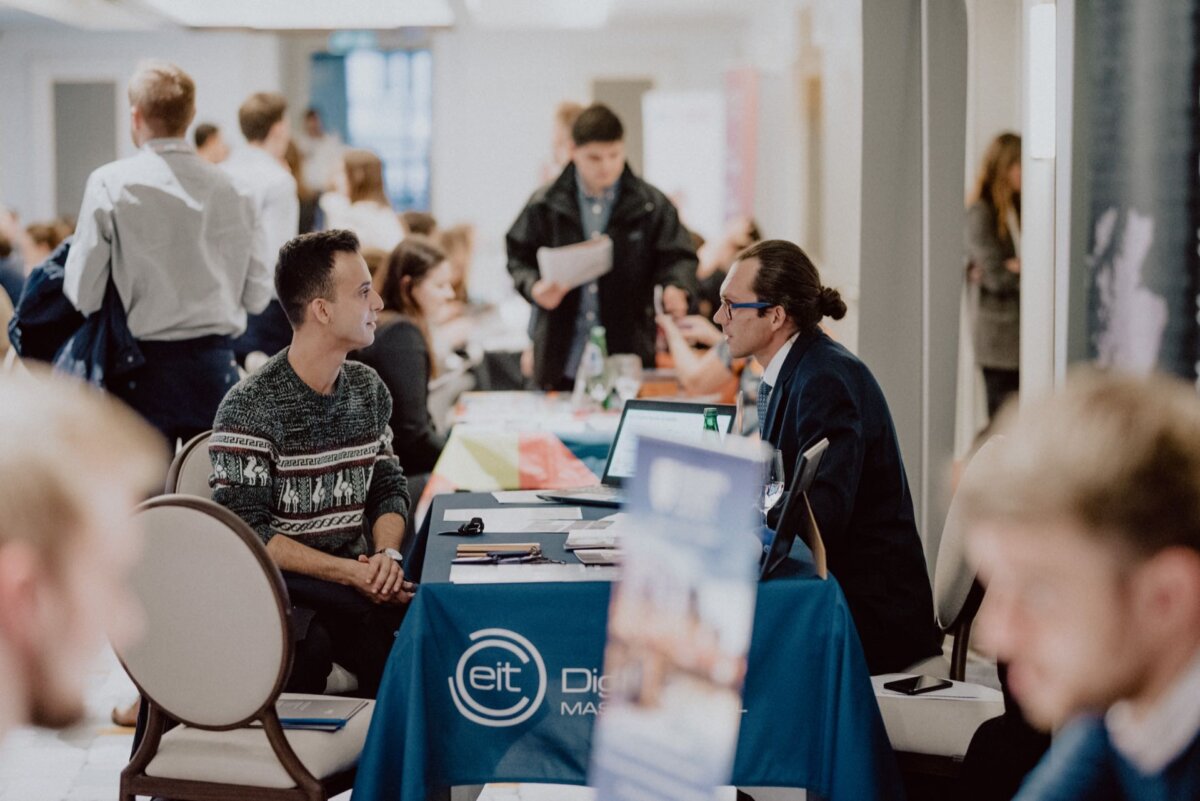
604	533
580	540
599	556
510	521
576	265
526	573
519	496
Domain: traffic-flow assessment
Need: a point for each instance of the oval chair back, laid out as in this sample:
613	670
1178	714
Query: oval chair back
215	651
191	468
956	594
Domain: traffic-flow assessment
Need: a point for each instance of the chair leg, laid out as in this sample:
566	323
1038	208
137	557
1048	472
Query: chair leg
958	655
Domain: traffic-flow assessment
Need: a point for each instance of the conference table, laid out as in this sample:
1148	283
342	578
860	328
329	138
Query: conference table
520	440
810	718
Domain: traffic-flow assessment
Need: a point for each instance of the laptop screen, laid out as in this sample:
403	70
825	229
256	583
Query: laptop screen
669	419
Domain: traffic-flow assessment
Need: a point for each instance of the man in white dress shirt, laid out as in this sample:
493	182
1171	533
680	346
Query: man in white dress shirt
259	172
178	242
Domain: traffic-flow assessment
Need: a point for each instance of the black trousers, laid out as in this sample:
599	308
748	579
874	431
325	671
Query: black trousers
999	385
181	384
335	623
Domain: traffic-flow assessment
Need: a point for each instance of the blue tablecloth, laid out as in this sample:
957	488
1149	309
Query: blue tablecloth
811	718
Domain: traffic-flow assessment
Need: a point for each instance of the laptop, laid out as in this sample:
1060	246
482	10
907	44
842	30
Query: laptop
664	418
794	517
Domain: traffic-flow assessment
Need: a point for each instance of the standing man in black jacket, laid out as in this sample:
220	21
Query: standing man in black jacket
598	194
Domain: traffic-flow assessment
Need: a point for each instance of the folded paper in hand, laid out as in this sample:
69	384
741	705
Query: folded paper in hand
576	265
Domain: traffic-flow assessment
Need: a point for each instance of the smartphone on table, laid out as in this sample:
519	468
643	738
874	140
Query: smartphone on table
915	685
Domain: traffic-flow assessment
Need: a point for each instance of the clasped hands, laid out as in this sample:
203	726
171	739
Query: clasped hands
381	579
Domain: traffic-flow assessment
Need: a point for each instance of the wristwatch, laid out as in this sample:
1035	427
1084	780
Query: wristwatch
392	553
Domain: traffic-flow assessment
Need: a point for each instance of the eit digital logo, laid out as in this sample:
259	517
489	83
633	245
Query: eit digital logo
500	679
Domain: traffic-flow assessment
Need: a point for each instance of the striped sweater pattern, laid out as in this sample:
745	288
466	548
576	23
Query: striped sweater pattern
318	469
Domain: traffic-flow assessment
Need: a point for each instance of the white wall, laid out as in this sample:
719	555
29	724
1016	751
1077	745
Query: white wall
993	75
225	66
838	36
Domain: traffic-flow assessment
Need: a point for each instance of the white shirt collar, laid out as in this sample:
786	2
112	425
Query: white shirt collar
1154	740
169	145
771	372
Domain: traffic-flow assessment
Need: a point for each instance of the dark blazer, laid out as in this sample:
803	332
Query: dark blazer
997	334
860	497
650	247
400	356
46	326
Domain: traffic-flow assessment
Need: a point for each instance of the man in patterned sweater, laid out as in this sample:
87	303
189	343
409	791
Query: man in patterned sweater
302	451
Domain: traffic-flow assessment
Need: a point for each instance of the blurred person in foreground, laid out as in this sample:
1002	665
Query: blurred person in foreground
73	465
1085	529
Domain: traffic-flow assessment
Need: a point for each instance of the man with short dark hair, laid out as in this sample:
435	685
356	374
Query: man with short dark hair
302	451
73	465
1085	529
598	194
259	172
177	241
210	143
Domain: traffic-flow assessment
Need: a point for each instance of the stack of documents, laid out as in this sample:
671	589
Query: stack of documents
576	265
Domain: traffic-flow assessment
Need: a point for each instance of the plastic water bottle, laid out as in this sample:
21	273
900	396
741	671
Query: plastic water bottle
591	379
712	431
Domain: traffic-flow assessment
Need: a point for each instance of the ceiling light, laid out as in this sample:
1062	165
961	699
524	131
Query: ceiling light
90	14
275	15
559	14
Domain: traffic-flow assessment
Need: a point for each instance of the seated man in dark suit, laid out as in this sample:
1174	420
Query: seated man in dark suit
772	302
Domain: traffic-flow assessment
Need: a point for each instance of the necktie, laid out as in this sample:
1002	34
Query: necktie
764	393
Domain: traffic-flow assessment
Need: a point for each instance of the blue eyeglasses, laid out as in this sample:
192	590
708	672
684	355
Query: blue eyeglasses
751	304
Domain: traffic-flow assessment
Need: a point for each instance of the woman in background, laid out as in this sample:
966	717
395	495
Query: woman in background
360	204
415	285
992	240
310	208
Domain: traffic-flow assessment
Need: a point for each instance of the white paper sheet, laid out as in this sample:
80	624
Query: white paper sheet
522	574
511	521
576	265
590	539
519	496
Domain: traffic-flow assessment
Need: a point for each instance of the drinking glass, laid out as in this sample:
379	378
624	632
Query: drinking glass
773	482
626	370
